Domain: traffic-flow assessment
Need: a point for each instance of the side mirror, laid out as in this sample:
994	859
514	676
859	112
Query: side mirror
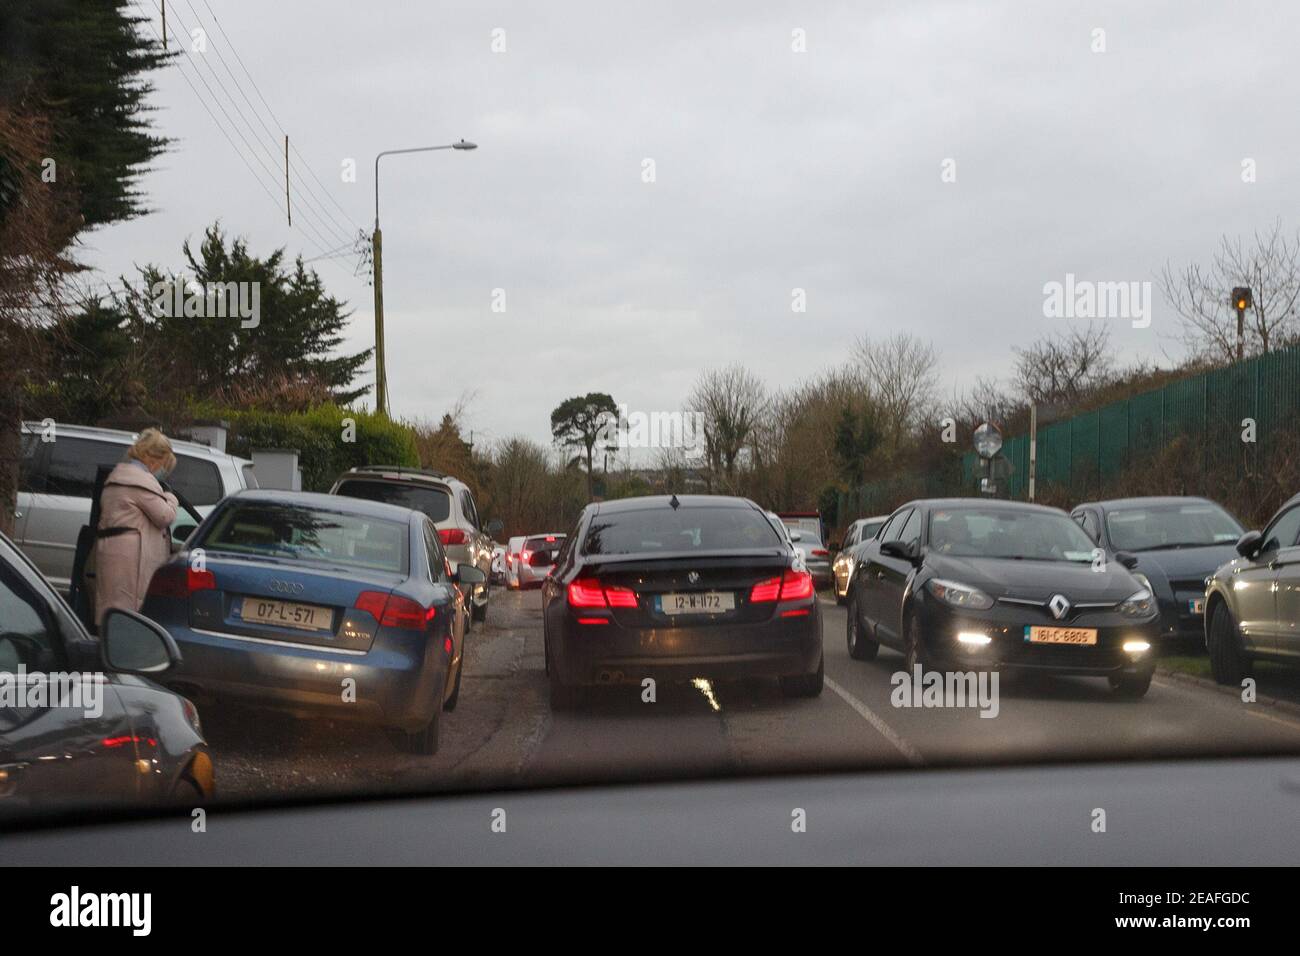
1248	544
1127	559
130	643
494	527
796	535
468	574
905	550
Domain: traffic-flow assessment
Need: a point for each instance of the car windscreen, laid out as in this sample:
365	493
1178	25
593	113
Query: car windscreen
681	529
434	502
1171	526
550	542
293	531
1008	533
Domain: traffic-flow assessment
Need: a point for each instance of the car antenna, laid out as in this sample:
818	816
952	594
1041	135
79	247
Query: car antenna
674	503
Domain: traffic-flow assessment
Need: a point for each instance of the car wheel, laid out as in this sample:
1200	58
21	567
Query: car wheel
1227	662
861	647
915	653
455	691
185	793
1131	686
423	742
806	685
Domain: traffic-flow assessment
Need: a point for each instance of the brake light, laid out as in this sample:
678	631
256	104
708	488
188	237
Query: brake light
620	597
790	586
180	581
451	536
820	553
586	594
526	557
394	610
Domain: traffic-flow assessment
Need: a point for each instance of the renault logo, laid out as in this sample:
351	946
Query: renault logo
693	577
1059	606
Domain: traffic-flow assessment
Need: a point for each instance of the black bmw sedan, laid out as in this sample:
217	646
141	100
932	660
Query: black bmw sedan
969	584
671	588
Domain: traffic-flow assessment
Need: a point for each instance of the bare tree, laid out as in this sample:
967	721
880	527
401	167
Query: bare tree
733	403
1064	369
1201	296
901	374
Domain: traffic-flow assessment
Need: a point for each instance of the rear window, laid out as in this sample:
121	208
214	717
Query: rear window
434	502
284	530
682	529
549	542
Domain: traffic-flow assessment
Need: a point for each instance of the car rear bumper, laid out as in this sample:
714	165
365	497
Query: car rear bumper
607	653
398	682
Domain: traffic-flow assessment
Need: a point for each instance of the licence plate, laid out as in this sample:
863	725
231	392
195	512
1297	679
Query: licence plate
698	602
1061	635
1196	606
305	617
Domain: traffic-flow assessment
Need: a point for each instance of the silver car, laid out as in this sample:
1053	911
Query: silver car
537	557
447	501
57	481
864	529
513	547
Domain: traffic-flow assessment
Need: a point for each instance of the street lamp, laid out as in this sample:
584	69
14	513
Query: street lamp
381	375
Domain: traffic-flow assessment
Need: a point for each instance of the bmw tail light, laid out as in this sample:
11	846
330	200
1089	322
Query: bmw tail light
790	586
764	591
586	594
620	597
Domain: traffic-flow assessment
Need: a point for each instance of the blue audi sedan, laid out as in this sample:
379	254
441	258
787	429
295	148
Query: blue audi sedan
319	604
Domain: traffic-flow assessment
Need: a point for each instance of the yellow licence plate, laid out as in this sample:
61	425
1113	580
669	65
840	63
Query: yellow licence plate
305	617
1061	635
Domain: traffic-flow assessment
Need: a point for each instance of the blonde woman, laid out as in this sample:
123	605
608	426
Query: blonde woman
135	514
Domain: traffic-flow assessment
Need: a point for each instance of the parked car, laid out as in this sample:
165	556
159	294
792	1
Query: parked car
858	532
678	588
57	482
513	547
1178	542
449	504
1252	603
537	557
973	584
141	743
296	594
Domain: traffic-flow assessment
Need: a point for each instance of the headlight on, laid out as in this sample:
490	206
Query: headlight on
959	595
1143	580
1139	604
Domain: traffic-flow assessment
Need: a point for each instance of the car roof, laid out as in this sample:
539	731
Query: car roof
1138	502
650	502
339	503
179	445
401	473
977	502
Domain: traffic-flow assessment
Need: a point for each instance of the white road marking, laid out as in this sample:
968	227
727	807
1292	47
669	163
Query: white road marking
912	755
1290	723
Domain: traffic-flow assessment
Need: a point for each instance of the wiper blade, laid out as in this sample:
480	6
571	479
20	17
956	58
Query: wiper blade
1174	546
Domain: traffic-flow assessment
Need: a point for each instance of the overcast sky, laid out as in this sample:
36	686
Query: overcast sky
774	170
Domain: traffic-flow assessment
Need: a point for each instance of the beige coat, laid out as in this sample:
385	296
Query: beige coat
125	563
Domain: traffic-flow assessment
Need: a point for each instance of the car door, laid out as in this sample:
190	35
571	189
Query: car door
1255	584
62	506
1286	584
30	480
871	578
437	561
891	581
50	749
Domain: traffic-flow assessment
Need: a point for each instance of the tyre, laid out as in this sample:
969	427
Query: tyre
185	793
455	691
1227	662
915	653
861	647
806	685
423	742
1130	686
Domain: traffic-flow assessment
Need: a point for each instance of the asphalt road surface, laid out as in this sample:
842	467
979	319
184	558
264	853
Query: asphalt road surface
503	733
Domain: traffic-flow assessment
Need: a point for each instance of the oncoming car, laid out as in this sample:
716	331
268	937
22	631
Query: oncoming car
280	597
676	588
969	584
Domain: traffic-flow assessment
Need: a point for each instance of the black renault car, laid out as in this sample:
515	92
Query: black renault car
1178	542
960	584
111	735
700	586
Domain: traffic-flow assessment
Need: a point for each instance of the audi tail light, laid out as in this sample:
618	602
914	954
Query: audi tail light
394	610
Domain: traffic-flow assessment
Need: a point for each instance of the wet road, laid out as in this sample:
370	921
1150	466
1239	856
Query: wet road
503	733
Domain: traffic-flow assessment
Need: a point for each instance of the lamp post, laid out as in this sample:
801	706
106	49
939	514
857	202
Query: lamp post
377	247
